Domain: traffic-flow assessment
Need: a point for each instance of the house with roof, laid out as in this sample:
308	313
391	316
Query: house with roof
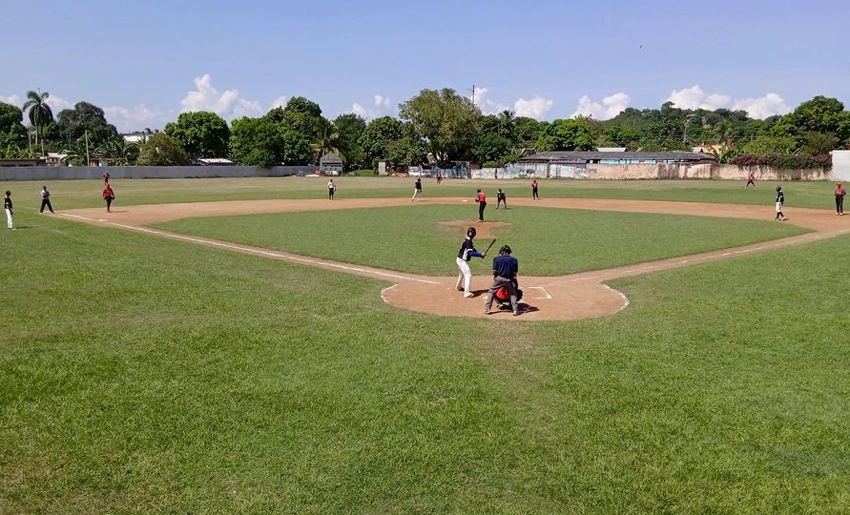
330	164
611	163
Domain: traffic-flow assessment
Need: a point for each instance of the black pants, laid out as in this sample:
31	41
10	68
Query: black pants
481	206
839	203
533	193
45	202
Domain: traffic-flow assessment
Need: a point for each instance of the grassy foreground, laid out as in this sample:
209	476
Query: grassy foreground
140	375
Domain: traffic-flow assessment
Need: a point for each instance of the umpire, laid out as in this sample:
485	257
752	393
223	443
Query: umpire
505	268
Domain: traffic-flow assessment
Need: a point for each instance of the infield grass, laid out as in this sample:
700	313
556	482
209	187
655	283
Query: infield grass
142	375
547	241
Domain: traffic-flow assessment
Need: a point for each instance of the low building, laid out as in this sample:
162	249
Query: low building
213	161
330	164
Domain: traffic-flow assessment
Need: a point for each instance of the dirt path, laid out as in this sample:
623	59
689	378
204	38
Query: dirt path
567	297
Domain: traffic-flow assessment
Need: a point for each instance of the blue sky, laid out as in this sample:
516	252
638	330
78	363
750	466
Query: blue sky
144	62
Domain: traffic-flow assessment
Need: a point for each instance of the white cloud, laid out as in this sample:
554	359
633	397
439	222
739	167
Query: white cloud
57	104
135	118
227	104
381	101
279	102
610	106
382	107
536	107
486	105
762	107
15	100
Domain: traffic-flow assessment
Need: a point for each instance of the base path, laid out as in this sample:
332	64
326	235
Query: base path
569	297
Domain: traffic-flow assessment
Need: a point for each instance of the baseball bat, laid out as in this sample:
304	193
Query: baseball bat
490	246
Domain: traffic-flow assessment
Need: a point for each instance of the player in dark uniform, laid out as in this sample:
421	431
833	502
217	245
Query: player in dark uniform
501	199
505	268
780	201
464	255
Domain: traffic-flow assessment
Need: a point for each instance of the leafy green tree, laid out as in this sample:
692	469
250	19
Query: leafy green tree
118	152
327	140
84	120
10	116
448	122
409	150
490	147
619	136
297	149
526	131
379	137
160	149
768	144
13	134
566	135
302	115
350	127
39	112
818	143
203	134
820	114
256	142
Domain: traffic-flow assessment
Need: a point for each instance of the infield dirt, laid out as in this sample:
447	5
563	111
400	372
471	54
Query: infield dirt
568	297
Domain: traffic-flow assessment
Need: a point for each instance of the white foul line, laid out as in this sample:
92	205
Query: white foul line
268	253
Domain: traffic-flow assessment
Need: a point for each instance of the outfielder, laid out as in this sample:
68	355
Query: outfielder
465	254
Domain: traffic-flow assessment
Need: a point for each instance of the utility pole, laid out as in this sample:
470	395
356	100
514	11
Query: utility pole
473	94
88	160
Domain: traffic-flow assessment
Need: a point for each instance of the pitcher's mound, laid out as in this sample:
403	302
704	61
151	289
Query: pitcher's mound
482	228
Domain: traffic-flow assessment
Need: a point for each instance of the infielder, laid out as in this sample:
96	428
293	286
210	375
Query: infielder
464	255
780	201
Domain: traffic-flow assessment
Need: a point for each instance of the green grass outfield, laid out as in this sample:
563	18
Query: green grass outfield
143	375
87	193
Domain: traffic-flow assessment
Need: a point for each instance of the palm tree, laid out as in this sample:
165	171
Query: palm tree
39	112
328	140
506	124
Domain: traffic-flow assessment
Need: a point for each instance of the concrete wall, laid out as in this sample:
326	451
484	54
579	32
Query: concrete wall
841	171
39	173
648	171
840	165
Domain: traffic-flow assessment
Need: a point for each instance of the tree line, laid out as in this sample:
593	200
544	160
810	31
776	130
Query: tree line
434	127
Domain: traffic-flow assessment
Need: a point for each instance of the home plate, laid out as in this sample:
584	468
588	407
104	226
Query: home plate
540	294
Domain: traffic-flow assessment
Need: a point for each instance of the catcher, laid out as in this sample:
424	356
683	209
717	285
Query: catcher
505	268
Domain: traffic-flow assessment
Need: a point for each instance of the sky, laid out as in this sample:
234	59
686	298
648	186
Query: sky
146	61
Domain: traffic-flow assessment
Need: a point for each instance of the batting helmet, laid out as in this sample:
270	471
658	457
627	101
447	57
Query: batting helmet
778	188
471	232
505	249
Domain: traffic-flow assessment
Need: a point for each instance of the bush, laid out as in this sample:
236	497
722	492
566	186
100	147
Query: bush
784	161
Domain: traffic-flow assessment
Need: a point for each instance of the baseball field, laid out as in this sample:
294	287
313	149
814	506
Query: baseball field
247	346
